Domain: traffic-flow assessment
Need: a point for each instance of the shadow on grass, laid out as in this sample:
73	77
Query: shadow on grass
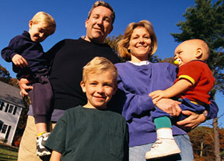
4	157
8	153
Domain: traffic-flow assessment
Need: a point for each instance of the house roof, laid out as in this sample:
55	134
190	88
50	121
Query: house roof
10	94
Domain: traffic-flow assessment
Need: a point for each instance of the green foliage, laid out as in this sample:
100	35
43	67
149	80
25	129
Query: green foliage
4	75
206	21
222	153
112	41
154	59
169	60
8	153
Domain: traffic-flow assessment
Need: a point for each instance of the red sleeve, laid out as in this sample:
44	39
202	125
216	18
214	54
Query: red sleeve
191	71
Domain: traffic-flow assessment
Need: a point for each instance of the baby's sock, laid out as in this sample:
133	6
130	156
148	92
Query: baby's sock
165	133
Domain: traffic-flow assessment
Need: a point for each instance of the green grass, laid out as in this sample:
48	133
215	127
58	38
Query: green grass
8	153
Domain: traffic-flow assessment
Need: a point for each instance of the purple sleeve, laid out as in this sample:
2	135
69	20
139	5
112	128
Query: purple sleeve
12	49
134	104
212	110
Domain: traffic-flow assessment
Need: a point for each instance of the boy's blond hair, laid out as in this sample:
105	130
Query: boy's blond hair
123	44
99	65
47	20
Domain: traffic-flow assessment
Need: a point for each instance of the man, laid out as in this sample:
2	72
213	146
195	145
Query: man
66	71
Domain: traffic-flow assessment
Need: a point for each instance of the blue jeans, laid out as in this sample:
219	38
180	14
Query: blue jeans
137	153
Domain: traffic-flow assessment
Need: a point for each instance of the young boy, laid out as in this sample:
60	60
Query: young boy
91	132
193	83
30	61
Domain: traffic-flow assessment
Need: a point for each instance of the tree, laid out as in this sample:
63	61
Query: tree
4	75
168	60
206	21
202	139
112	41
14	82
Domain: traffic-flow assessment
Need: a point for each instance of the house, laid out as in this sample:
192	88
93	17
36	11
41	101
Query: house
11	105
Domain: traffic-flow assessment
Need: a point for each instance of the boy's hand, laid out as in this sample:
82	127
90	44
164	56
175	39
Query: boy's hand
158	95
19	61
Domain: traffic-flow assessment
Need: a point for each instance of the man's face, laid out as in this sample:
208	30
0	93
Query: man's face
99	24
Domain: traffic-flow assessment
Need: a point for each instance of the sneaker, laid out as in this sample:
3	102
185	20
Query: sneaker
41	149
162	148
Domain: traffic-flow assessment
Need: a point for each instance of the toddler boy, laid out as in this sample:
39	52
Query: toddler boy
30	61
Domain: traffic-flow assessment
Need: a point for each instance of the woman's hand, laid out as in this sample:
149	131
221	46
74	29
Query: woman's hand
23	84
170	106
192	121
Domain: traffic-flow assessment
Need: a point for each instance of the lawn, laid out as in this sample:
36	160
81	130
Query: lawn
8	153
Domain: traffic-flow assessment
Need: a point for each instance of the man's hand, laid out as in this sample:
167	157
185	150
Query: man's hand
170	106
19	61
23	84
192	121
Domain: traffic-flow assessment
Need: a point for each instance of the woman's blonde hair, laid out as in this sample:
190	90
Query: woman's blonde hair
123	44
47	20
99	65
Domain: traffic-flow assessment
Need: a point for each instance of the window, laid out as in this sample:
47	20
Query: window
8	131
15	109
1	123
4	128
7	106
1	105
10	109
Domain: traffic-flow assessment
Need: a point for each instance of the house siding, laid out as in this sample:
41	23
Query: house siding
11	105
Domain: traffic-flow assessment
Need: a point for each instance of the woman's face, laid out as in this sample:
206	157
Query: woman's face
140	44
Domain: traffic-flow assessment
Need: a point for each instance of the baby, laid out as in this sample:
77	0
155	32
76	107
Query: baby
192	86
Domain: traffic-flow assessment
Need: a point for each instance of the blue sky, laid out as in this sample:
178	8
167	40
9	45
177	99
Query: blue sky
70	16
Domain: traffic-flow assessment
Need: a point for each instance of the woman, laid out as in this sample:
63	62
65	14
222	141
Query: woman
139	77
